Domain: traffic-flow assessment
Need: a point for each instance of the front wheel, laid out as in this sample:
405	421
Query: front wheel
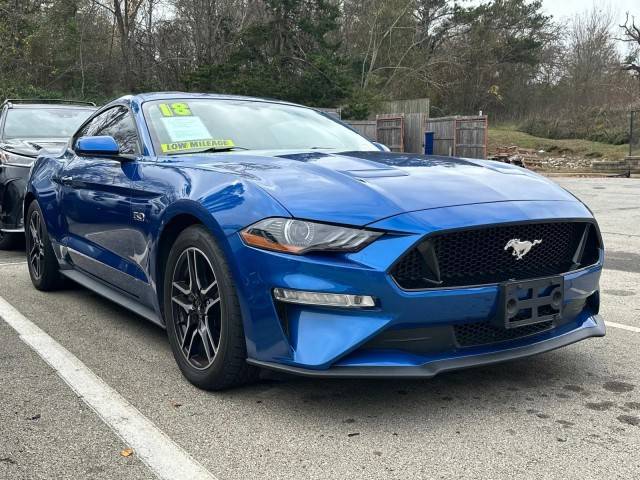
41	260
201	310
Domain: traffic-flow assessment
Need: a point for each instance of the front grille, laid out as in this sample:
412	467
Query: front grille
485	333
478	256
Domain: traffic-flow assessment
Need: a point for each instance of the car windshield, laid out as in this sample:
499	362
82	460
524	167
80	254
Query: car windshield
44	122
199	125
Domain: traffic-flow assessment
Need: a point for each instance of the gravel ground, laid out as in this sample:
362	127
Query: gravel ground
571	413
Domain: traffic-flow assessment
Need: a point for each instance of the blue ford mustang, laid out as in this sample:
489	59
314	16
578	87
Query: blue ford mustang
264	234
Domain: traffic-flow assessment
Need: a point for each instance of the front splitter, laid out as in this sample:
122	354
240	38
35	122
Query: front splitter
435	367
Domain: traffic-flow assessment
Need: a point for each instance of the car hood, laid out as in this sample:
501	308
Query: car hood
358	188
33	147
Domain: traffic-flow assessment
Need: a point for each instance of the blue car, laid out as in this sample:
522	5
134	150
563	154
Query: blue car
264	234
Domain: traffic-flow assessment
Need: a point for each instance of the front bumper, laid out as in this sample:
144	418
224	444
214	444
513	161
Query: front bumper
318	341
593	327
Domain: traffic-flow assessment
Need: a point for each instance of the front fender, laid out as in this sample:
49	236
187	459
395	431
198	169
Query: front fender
42	187
224	207
223	203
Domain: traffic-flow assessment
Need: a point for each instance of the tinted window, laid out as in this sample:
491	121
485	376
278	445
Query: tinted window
118	123
189	125
43	122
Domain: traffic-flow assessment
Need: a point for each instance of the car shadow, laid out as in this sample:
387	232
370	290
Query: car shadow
16	253
529	385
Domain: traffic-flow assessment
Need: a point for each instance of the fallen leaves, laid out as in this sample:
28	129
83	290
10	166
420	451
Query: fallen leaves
175	404
127	452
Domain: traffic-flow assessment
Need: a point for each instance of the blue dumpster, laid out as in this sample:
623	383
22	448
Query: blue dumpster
428	143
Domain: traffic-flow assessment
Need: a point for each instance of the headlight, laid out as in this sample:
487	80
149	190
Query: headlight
299	236
8	158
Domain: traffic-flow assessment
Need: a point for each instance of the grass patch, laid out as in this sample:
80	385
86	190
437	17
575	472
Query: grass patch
507	135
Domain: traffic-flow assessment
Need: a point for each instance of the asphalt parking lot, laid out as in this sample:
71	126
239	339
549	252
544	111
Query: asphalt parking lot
571	413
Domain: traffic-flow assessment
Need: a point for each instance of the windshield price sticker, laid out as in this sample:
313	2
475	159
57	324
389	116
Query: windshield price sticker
178	109
182	129
195	145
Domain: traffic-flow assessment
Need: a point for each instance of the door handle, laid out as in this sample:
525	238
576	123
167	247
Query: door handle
66	180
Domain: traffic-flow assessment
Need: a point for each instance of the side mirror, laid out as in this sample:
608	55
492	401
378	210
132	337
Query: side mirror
382	147
99	145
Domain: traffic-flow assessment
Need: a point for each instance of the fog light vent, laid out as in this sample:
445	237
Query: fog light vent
323	299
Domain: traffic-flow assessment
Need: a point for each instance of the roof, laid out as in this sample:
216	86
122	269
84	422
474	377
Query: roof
146	97
53	103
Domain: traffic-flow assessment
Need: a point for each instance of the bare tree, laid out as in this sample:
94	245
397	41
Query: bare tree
593	58
632	35
397	42
125	13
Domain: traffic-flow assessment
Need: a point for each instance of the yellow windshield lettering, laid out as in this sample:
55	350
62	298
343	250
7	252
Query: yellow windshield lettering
178	109
195	145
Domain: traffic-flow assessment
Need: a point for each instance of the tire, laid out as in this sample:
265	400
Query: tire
8	241
41	260
202	313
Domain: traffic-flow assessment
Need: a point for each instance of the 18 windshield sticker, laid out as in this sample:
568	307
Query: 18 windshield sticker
178	109
186	131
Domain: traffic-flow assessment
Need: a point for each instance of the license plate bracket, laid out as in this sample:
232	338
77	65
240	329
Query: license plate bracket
531	301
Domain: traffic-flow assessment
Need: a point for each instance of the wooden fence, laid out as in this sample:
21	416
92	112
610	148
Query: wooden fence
414	127
403	130
401	133
366	128
401	127
459	136
390	130
415	105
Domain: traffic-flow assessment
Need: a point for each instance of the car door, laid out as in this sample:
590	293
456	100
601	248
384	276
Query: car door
96	203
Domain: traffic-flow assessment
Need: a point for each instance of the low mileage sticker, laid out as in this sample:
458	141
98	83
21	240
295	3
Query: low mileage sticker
195	145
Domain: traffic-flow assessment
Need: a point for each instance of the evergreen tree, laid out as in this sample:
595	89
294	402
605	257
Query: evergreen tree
294	55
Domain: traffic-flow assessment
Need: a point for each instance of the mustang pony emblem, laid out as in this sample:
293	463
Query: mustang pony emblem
520	249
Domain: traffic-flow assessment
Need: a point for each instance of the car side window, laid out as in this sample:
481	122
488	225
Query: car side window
2	115
97	123
118	123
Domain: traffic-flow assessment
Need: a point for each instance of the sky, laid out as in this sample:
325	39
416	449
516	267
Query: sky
568	8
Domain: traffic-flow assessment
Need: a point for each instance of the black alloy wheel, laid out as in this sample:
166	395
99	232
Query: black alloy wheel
35	252
41	260
202	313
196	308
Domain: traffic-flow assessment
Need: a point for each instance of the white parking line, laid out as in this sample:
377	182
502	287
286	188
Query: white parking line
6	264
161	454
623	327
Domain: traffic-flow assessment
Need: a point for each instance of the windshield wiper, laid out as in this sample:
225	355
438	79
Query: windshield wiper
34	145
212	150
